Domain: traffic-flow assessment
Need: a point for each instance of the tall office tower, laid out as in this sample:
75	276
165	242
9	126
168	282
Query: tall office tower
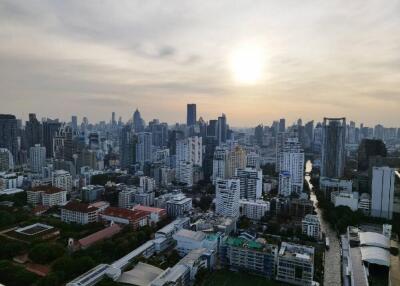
280	141
50	129
94	140
8	134
212	128
113	121
138	122
37	158
159	132
222	129
144	148
250	183
220	160
259	134
309	133
292	161
382	192
191	114
236	160
127	146
317	138
351	133
282	125
379	131
63	144
33	131
227	197
369	148
333	147
6	160
74	122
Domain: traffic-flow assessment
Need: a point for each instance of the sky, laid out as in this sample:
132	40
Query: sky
320	59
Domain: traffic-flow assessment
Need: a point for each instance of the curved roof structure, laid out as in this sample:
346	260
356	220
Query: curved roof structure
375	255
374	239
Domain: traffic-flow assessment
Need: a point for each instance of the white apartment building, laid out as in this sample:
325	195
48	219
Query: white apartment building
227	197
250	183
382	192
254	210
364	203
184	172
62	179
292	161
37	158
311	226
342	198
126	198
46	196
190	150
178	205
188	240
147	184
285	184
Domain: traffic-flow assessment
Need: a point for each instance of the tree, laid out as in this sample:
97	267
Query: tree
6	218
13	275
44	253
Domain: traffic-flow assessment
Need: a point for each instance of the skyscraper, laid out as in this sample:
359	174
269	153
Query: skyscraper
50	128
144	148
333	147
33	131
127	146
37	158
227	196
138	122
74	122
221	129
250	183
282	125
8	134
191	116
382	192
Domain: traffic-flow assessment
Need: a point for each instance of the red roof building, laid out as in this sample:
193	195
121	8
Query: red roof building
135	218
155	214
99	236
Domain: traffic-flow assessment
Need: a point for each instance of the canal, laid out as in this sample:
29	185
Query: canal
332	272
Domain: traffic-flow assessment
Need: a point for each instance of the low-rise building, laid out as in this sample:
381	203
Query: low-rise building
254	210
91	193
155	214
344	198
188	240
62	179
254	256
295	264
178	205
80	213
46	196
135	218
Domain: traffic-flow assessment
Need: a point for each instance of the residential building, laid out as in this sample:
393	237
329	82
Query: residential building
292	161
311	226
382	192
178	205
254	210
227	197
47	196
62	179
92	193
6	160
250	183
8	134
37	158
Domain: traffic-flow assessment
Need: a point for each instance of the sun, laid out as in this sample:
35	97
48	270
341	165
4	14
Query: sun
247	64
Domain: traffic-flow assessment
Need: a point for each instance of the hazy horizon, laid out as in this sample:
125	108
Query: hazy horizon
89	58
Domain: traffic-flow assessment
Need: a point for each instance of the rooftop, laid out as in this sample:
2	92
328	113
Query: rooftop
100	235
47	189
195	235
131	215
254	245
79	207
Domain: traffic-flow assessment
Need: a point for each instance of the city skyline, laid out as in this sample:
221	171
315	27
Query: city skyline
306	61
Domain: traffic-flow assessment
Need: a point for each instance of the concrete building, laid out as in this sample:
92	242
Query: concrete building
134	218
254	210
295	264
79	213
345	199
144	148
147	184
62	179
285	184
184	173
37	158
250	183
252	256
292	161
6	160
47	196
311	227
329	185
126	198
178	205
382	192
191	117
188	240
364	203
219	163
91	193
333	147
227	197
236	160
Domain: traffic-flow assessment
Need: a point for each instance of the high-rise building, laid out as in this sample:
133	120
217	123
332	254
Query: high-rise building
127	146
63	146
62	179
220	160
285	184
212	128
382	192
190	149
37	158
8	134
281	138
159	132
369	148
33	131
282	125
333	147
236	160
292	161
6	160
222	129
259	134
138	122
227	197
144	148
191	114
250	183
74	122
50	128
